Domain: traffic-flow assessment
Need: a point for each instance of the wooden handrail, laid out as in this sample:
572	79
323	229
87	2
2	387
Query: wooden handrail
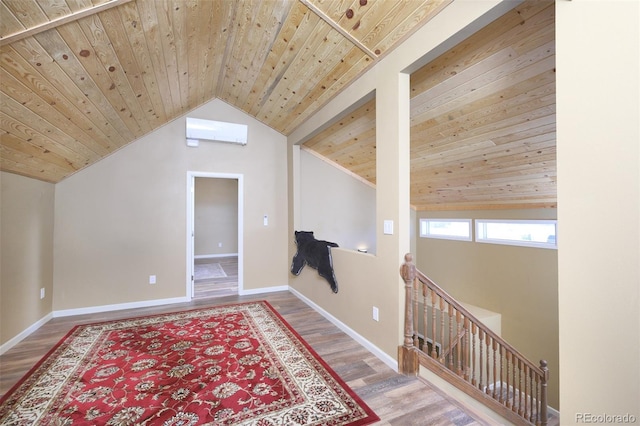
483	364
459	307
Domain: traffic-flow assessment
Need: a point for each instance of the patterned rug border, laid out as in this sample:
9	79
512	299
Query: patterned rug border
370	418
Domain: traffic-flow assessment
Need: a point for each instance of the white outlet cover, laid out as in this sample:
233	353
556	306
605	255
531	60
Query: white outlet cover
152	279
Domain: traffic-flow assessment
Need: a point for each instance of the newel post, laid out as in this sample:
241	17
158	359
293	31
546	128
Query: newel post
407	353
543	393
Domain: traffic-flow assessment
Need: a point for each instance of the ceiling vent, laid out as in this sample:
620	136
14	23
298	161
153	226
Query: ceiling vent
219	131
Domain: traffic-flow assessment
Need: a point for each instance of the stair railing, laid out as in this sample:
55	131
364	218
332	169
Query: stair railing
443	336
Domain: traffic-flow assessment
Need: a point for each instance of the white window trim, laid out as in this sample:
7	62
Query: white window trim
479	233
445	237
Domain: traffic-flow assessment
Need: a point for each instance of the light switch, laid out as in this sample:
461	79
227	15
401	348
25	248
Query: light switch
265	220
388	227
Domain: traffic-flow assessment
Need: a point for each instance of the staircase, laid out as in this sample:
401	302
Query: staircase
441	335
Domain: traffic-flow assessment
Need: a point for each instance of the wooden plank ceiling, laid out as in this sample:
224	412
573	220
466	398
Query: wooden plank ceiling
482	120
81	78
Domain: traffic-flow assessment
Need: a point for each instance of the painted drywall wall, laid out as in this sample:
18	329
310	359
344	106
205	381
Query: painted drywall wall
520	283
124	218
342	209
373	280
26	233
336	206
598	144
215	217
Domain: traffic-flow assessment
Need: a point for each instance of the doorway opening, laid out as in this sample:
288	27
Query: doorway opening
214	234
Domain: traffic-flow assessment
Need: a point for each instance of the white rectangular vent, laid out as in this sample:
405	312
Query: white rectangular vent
210	130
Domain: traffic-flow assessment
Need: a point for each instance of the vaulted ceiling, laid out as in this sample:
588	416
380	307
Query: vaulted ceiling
81	78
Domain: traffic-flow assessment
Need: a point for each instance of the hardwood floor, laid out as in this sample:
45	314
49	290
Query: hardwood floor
218	287
397	399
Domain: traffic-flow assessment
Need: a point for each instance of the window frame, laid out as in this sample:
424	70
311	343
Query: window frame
445	237
522	243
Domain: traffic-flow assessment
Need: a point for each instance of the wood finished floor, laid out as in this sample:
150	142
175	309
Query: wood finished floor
397	399
218	287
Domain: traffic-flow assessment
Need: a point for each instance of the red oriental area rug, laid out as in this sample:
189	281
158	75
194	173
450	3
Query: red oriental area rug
229	365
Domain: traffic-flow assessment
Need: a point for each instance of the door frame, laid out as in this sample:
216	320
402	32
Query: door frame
191	188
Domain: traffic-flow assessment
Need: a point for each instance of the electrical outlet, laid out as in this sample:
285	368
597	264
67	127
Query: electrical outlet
152	279
42	293
376	314
219	244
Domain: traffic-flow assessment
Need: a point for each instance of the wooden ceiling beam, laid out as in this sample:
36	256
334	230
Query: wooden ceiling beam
339	29
28	32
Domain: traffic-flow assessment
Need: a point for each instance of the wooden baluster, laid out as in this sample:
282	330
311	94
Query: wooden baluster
416	328
467	349
495	368
509	402
523	393
522	369
434	352
488	341
480	358
450	310
458	343
442	339
474	332
543	393
425	294
530	394
501	368
536	396
533	397
514	406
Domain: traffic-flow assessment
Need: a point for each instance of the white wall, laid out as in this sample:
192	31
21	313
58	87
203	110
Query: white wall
124	218
336	206
598	145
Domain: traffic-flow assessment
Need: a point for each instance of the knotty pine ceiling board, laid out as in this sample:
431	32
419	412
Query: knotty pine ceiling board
482	120
82	78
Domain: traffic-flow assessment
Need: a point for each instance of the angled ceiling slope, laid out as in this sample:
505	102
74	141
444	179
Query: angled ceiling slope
483	124
82	78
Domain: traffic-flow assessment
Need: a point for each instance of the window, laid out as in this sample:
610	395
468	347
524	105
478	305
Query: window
448	229
529	233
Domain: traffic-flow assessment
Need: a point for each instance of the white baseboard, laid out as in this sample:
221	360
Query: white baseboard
25	333
118	307
384	357
255	291
213	256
